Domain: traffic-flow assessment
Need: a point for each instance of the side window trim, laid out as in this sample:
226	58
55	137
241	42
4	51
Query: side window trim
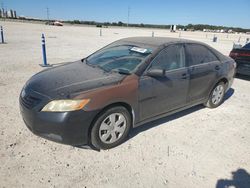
183	56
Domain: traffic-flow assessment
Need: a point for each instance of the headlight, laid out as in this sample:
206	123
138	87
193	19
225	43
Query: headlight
65	105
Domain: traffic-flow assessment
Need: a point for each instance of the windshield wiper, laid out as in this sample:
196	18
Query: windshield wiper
121	71
92	65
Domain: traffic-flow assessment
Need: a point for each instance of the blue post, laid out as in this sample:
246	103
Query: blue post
44	52
2	34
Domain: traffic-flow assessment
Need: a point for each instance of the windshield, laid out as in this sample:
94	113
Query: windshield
123	58
247	46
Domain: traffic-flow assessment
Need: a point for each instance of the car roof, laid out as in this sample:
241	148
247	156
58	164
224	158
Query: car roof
153	41
156	43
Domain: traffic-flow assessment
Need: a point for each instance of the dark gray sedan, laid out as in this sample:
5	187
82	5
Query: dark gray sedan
98	99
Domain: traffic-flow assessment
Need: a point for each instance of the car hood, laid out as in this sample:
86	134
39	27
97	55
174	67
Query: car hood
71	78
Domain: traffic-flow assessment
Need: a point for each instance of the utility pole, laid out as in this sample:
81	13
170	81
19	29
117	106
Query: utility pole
47	14
128	16
2	4
3	11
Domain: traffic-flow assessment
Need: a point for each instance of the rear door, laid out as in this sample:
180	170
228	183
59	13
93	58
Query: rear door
158	95
203	67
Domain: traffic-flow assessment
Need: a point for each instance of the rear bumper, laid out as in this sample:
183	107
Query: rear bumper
244	71
243	68
70	128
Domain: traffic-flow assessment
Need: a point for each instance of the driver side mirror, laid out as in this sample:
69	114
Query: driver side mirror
156	72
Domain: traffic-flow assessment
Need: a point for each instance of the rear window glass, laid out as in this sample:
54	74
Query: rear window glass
247	46
198	54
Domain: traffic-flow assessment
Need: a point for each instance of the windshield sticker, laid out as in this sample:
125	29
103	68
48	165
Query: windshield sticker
140	50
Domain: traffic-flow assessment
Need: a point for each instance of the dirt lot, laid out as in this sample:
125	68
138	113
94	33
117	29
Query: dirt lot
194	148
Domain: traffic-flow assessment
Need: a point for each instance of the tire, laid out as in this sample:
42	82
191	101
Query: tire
111	128
216	96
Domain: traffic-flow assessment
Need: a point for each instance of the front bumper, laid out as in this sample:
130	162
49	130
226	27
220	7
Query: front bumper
70	128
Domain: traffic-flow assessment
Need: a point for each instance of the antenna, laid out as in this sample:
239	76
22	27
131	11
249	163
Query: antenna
128	16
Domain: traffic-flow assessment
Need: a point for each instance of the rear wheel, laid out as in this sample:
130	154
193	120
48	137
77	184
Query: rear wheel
111	128
217	95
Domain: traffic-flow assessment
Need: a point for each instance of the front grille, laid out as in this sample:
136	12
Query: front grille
29	101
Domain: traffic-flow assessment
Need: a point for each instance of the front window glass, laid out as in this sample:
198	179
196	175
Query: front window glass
123	58
170	58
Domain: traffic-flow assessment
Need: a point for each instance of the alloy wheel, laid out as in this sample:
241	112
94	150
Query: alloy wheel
217	94
112	128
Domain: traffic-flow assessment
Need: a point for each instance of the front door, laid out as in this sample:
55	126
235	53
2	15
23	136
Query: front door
159	95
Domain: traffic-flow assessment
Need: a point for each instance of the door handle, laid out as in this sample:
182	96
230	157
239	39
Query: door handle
217	67
184	76
192	69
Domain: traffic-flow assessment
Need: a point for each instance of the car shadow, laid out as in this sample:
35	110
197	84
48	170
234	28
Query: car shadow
155	123
228	94
242	77
59	64
53	65
240	179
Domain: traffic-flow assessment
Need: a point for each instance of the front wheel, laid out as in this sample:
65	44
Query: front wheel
111	128
217	95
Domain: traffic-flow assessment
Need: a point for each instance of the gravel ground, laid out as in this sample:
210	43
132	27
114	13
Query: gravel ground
198	147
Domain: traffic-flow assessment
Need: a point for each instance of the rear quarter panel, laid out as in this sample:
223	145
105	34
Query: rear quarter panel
227	71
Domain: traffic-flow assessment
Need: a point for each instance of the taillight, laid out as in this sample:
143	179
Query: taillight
233	54
239	54
244	54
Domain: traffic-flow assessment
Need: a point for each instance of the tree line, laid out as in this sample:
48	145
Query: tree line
183	27
142	25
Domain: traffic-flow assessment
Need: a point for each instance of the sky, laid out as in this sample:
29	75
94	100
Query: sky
215	12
